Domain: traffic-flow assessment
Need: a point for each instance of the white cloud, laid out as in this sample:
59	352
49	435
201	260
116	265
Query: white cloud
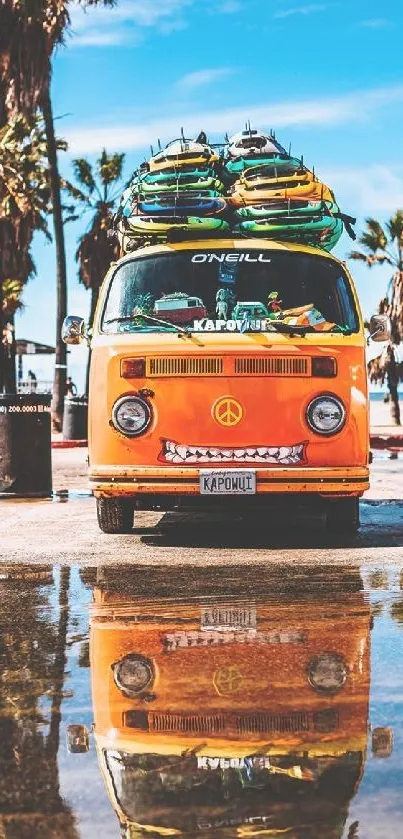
103	26
229	7
374	23
354	107
310	9
371	190
200	78
100	38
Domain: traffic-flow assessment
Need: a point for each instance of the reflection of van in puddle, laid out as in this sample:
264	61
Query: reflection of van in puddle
225	407
228	713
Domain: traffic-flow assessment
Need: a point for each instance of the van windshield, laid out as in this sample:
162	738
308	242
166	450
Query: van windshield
182	792
229	291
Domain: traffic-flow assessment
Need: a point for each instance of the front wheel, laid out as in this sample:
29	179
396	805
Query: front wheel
115	515
343	515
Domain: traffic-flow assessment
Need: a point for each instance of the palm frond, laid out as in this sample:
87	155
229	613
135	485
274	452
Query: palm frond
110	167
372	242
12	296
358	255
24	194
83	173
377	370
377	231
72	190
395	227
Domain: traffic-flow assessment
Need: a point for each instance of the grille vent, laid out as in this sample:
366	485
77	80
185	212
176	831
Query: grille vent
230	724
200	365
187	366
187	723
273	366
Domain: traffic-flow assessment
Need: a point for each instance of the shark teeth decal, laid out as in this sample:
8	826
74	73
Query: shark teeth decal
173	452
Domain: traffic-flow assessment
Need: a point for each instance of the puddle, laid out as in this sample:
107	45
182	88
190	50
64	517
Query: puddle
203	702
61	496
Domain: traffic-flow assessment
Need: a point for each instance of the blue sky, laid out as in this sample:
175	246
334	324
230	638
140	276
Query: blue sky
326	75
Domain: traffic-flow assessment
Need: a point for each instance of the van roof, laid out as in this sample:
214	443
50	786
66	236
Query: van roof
240	244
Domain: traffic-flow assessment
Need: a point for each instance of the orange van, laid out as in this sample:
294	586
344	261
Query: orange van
249	716
204	408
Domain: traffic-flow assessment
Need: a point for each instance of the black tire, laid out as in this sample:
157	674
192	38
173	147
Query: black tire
115	515
343	515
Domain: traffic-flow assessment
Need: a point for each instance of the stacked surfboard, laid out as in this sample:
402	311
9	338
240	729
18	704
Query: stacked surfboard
178	194
275	196
252	187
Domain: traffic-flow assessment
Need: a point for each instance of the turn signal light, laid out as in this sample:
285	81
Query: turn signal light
132	368
324	366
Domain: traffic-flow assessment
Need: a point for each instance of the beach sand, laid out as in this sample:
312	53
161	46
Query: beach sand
380	415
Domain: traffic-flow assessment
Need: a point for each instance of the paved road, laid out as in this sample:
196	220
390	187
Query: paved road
45	531
51	531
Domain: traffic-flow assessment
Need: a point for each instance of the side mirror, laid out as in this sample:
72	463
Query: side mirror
73	330
382	742
77	739
379	328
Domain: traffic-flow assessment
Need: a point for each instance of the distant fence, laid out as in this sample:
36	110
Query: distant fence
39	386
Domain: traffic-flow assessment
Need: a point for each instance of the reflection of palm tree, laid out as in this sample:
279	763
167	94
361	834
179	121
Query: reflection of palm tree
378	580
32	662
53	739
376	609
396	611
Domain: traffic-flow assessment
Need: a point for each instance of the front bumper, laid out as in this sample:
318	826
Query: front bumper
158	480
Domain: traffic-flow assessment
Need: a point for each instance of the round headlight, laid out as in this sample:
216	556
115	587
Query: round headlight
131	415
327	673
133	674
326	414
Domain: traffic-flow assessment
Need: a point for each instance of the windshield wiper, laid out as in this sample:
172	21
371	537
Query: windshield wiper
150	319
289	329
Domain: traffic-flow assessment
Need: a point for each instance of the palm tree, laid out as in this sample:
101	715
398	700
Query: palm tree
30	31
384	245
97	193
12	303
24	205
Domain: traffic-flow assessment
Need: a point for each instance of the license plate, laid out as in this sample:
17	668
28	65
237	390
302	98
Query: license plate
228	482
228	618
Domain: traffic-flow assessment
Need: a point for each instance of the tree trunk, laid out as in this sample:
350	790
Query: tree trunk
59	382
10	359
2	353
53	739
94	301
393	378
394	404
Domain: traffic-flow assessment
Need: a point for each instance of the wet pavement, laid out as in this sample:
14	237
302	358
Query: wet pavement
210	702
67	533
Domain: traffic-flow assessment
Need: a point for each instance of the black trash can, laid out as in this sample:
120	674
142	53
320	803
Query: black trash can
25	445
75	418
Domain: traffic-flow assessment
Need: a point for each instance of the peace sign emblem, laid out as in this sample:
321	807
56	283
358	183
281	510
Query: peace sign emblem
228	680
227	411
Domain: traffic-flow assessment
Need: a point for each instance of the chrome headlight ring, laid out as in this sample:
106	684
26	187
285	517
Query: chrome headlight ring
131	415
133	674
326	414
327	672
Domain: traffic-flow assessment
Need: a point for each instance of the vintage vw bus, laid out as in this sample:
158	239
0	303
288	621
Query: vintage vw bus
220	406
